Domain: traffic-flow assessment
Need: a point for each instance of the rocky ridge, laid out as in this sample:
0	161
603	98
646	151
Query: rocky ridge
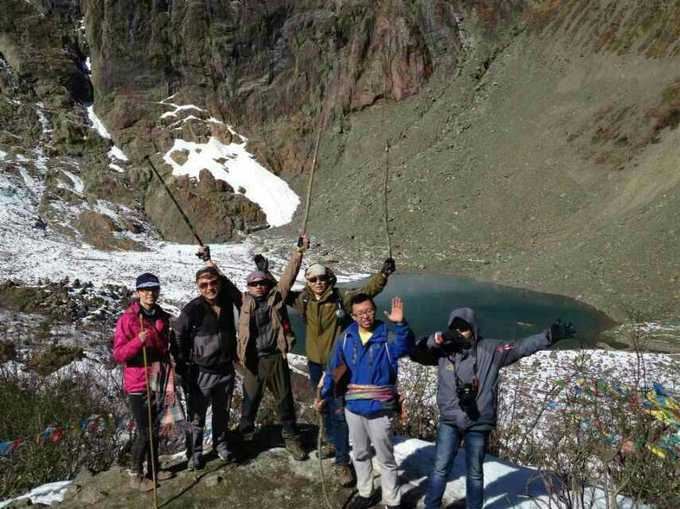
530	143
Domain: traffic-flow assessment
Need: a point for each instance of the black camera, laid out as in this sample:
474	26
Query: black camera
467	395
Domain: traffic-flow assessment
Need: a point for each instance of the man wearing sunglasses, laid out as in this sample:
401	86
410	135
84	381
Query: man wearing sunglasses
265	337
326	310
205	354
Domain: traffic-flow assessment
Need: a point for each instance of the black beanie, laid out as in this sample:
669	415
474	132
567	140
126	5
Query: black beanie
147	281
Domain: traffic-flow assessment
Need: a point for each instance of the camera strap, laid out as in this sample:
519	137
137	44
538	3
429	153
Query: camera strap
475	377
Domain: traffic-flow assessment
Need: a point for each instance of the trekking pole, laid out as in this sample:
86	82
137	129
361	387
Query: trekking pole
151	424
324	489
386	215
308	198
174	200
387	159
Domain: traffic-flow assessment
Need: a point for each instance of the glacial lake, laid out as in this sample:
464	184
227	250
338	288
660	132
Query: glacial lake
503	312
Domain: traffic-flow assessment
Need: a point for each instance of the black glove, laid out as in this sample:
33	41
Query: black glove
261	263
204	253
560	330
452	337
389	266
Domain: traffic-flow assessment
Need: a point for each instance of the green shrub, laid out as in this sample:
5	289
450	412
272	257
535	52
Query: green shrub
30	405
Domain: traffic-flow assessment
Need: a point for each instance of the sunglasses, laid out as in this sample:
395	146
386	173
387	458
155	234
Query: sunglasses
320	279
259	283
209	284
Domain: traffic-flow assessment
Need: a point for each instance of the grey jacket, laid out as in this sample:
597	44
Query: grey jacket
456	364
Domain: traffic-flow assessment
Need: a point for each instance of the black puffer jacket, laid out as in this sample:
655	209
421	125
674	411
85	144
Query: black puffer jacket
457	364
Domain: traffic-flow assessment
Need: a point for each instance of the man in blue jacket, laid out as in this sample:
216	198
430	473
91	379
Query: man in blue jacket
363	368
468	369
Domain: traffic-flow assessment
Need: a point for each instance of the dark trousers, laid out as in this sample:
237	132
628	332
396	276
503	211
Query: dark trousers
141	449
334	422
272	372
206	390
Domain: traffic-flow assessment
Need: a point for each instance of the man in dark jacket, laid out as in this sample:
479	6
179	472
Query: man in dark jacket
468	369
205	354
363	369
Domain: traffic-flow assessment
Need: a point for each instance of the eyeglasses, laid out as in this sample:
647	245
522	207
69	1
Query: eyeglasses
364	314
259	283
320	279
209	284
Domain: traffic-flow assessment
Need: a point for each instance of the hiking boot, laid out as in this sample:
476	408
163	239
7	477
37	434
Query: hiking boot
196	462
294	447
360	502
141	483
343	474
327	451
163	475
226	455
246	436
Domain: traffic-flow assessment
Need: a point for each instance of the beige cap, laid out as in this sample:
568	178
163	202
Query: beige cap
315	270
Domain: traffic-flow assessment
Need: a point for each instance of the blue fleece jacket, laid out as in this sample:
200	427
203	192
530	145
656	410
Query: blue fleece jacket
375	363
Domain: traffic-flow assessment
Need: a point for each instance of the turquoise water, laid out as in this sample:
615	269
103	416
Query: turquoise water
503	312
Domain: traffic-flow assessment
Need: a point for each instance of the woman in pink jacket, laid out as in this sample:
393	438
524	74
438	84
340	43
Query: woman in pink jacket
143	325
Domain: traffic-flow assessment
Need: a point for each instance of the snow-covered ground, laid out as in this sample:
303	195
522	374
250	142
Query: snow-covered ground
30	253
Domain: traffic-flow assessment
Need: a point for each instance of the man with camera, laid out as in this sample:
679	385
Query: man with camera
468	369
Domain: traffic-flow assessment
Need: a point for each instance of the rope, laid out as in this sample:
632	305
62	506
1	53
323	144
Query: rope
151	424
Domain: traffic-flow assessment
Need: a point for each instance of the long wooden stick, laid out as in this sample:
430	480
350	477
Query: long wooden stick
151	424
310	182
387	154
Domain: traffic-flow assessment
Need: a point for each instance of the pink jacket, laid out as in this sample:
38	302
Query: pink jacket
127	349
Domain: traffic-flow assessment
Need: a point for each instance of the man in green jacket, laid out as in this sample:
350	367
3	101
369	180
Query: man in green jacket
326	310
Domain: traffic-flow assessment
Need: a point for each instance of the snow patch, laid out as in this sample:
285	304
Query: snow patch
40	160
116	153
2	155
177	125
104	208
97	124
47	494
505	484
29	181
178	108
78	185
42	118
240	169
88	65
117	168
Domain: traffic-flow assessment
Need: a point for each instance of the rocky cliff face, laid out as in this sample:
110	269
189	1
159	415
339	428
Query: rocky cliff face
530	142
